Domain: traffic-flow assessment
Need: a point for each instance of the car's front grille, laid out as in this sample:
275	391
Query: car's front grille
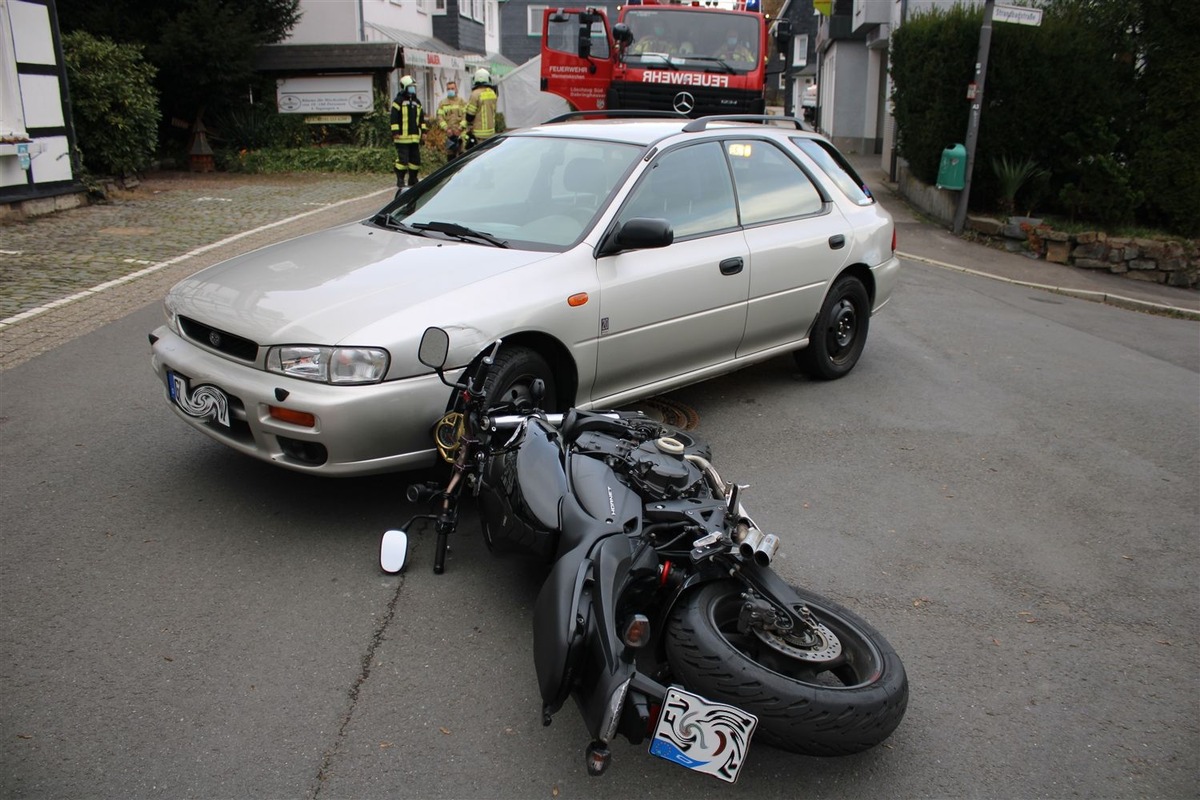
219	340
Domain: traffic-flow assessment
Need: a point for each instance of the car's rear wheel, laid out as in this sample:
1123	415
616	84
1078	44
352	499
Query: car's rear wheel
840	332
510	379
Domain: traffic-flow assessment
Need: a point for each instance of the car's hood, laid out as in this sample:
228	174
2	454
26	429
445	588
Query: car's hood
326	287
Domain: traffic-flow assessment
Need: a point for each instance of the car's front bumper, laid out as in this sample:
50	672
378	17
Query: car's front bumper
358	430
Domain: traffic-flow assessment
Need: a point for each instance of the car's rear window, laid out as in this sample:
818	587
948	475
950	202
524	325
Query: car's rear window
835	165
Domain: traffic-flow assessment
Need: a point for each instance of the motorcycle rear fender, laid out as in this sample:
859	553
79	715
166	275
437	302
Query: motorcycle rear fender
574	620
560	621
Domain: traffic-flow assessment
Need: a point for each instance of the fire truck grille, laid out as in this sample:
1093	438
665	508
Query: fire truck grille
704	100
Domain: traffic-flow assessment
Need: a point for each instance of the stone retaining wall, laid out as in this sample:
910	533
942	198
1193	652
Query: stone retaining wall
1172	262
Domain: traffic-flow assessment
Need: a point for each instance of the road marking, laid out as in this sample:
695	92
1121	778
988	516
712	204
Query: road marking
155	267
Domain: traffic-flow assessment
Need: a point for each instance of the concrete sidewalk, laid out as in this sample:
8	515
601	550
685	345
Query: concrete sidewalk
66	274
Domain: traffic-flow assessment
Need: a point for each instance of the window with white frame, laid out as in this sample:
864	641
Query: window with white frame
439	7
534	27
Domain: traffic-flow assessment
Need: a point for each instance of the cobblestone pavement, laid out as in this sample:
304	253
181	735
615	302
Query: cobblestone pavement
147	238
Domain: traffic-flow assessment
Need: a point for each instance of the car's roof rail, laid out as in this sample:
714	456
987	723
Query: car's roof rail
615	114
697	125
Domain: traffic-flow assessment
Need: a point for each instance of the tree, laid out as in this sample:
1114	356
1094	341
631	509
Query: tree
203	50
114	104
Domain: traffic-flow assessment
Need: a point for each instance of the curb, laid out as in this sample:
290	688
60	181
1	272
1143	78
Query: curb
1084	294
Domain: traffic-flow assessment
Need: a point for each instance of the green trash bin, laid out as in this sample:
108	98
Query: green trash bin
952	172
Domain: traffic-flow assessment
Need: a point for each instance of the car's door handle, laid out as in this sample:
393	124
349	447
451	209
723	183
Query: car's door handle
732	266
837	242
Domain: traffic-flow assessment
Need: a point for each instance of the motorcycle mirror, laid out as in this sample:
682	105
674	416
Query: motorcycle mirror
434	348
393	550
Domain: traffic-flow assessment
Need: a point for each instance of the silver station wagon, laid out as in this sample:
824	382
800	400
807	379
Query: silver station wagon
616	259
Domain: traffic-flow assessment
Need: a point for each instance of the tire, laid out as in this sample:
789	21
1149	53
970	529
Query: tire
840	332
511	378
846	706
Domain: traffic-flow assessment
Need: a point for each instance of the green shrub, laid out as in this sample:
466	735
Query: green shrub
113	102
1166	160
1098	186
337	158
260	125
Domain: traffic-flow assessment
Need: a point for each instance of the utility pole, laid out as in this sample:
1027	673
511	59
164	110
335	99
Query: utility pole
976	94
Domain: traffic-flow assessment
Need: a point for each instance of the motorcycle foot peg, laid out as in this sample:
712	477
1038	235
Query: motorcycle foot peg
597	757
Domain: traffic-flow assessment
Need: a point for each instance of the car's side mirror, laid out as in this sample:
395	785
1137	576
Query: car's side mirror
434	348
393	551
639	233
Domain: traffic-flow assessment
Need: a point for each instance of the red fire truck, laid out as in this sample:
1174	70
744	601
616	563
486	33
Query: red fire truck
696	56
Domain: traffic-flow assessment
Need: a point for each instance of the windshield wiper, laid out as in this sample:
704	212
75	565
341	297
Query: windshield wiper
460	232
722	62
388	221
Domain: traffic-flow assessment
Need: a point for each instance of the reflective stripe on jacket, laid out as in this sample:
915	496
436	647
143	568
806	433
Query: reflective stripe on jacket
481	112
408	120
451	113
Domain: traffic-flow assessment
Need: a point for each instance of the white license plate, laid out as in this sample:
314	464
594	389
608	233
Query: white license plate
701	735
205	402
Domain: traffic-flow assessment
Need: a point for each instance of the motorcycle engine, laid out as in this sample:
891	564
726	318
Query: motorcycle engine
659	468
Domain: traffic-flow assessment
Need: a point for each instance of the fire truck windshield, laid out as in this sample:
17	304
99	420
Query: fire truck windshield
703	39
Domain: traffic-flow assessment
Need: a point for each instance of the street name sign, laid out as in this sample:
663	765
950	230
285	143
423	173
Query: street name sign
1018	14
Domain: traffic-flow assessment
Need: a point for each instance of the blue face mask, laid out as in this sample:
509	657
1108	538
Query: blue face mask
731	41
411	90
450	93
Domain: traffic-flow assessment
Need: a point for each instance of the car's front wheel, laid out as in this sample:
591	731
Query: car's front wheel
840	332
510	379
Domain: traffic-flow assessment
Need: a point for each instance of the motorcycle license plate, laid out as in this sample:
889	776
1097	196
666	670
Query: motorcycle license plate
205	403
701	735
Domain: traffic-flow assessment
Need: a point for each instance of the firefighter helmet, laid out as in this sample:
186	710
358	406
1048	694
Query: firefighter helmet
482	76
406	81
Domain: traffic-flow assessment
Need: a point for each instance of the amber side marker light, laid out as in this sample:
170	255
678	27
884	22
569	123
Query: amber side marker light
576	300
301	418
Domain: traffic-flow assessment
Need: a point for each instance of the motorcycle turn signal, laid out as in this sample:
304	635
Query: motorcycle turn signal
597	757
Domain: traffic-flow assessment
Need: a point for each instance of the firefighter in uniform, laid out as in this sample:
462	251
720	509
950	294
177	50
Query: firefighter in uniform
451	114
408	123
481	109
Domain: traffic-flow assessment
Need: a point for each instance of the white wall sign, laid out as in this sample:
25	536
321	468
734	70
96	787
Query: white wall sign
325	94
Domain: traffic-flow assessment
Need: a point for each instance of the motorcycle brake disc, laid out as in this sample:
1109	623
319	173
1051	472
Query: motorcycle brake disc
818	645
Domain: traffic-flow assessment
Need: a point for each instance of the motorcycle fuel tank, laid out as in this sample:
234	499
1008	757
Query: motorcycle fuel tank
522	491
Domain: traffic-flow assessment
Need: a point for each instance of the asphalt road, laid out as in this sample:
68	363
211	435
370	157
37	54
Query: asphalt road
1007	486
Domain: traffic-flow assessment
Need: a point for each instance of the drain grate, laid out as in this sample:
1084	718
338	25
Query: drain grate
671	412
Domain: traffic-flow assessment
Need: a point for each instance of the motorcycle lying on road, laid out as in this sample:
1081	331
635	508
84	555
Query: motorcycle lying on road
660	614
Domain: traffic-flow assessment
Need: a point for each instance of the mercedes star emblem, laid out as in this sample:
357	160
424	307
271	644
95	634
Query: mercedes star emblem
684	102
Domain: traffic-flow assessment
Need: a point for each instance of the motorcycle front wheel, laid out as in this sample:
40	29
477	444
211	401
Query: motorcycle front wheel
840	691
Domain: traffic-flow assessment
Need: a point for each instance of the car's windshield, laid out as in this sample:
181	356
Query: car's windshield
702	39
536	192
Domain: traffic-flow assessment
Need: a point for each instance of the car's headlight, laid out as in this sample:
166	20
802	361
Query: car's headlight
340	365
171	315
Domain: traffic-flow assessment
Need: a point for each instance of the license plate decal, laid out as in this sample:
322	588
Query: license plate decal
701	735
204	402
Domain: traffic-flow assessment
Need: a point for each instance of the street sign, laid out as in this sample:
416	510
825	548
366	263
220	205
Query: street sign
1021	15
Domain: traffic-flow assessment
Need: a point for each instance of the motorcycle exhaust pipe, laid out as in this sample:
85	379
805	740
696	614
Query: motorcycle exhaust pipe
765	551
753	543
750	542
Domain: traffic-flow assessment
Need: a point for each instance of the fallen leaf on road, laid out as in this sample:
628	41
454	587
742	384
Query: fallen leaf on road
444	731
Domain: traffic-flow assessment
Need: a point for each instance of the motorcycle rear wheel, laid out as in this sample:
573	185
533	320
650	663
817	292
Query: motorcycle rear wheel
812	707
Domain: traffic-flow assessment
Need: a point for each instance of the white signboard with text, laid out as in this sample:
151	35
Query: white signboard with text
1018	14
325	94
